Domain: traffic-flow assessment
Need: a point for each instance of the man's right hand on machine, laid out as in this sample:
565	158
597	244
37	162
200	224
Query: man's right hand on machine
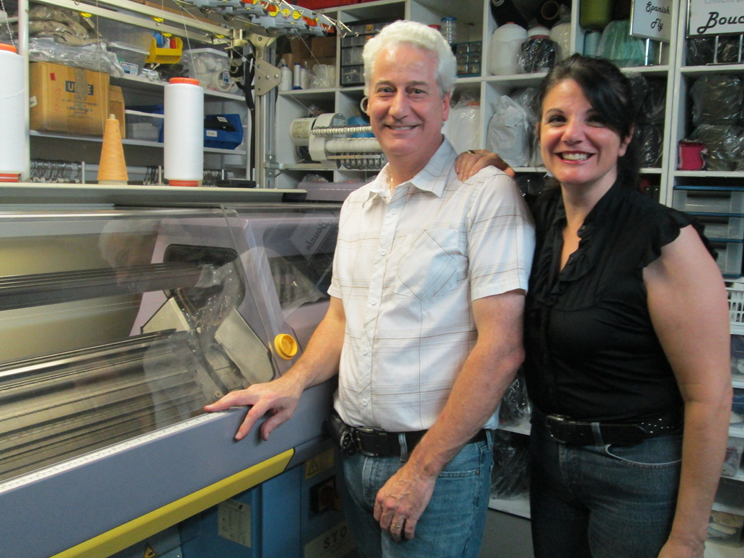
278	398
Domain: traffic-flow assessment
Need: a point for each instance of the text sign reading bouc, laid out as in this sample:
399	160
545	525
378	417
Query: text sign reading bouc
715	17
652	19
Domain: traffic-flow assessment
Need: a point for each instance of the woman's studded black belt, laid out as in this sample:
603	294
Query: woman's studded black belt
578	433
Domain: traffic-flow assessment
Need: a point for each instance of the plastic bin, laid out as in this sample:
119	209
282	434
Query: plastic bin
737	408
351	56
726	528
721	226
131	59
352	75
709	199
730	496
736	307
211	67
143	127
113	31
734	451
165	55
223	131
729	257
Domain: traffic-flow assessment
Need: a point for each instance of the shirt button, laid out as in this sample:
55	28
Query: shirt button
373	302
383	251
365	402
393	211
365	352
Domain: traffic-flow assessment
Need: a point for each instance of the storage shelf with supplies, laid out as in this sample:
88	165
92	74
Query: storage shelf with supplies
126	142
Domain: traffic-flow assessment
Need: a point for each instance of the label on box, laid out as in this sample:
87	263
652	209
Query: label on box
67	100
211	133
130	68
32	102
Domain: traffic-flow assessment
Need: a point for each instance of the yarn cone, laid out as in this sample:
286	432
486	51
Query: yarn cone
112	169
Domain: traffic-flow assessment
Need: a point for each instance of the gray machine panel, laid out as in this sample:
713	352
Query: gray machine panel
43	517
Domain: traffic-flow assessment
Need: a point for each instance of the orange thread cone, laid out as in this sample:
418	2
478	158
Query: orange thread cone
112	169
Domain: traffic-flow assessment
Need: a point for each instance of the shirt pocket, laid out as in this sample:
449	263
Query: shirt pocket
429	267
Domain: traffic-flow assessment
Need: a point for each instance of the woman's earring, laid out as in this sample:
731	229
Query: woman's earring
363	104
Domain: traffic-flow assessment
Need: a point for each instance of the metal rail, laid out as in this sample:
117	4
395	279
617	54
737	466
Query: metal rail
24	291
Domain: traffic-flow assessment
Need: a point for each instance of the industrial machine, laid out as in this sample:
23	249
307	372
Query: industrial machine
333	142
117	327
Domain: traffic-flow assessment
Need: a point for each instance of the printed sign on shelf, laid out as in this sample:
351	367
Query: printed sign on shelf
715	17
652	19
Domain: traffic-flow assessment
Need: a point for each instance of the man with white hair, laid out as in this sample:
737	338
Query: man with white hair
424	326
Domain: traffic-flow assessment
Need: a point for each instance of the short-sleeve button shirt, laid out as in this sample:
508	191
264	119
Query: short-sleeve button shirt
408	264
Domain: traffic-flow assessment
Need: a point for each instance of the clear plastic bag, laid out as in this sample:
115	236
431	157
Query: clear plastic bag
617	45
515	406
509	132
461	128
537	54
324	75
649	138
639	85
526	97
717	99
725	145
702	50
65	26
510	477
654	106
91	57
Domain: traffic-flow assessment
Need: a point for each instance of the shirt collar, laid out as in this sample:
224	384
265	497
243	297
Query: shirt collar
599	214
432	178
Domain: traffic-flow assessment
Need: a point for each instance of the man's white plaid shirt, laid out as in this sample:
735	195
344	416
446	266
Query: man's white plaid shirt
407	266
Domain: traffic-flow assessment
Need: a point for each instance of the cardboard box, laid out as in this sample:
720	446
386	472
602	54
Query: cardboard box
117	107
322	50
68	100
323	47
300	51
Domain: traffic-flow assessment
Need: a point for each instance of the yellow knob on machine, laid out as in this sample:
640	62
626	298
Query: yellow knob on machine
285	346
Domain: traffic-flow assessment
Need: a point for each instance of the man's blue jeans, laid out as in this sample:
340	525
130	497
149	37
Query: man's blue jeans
602	501
453	522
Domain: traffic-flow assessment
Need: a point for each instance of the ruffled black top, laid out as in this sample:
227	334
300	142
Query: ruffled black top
591	349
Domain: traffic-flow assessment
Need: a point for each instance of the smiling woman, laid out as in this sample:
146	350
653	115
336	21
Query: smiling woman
619	375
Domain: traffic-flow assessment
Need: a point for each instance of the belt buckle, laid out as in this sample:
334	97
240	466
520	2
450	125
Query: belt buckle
553	421
372	442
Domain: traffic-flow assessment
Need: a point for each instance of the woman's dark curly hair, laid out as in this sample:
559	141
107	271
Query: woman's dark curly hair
610	94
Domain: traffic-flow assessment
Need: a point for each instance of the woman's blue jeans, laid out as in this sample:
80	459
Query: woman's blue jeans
602	501
453	522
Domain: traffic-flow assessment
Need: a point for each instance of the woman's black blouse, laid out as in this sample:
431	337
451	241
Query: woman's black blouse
591	349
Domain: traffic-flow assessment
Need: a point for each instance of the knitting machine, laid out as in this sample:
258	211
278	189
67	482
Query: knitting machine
118	326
